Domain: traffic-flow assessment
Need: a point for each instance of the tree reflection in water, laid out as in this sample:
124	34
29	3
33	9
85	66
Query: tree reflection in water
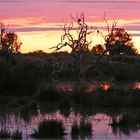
136	85
126	124
122	123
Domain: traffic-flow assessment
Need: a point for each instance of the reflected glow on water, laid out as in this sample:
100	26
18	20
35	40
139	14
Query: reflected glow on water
92	86
100	124
106	86
137	85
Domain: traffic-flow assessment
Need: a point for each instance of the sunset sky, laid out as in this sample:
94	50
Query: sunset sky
39	22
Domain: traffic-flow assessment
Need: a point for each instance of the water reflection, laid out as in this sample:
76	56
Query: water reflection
91	86
137	85
124	124
106	86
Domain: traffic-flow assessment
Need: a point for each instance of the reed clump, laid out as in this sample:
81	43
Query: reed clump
49	129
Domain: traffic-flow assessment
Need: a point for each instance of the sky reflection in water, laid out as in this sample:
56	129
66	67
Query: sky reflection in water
100	124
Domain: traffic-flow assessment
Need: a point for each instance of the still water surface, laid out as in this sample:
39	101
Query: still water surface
100	119
93	85
100	124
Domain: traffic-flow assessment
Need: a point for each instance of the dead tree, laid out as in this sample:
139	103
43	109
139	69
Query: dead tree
8	41
79	43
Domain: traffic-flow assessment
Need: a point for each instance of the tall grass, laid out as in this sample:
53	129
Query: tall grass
75	132
22	75
16	135
111	98
49	129
4	134
126	124
47	92
83	130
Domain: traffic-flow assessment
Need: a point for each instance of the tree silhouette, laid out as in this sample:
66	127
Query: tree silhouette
98	49
118	41
78	43
9	42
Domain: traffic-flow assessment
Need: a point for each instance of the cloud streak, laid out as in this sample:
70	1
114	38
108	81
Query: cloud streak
41	29
100	1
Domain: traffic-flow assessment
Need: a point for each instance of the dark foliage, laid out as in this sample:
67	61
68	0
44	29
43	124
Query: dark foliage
83	130
49	129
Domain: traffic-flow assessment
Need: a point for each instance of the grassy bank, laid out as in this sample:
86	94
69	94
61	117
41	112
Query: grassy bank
22	77
57	100
22	73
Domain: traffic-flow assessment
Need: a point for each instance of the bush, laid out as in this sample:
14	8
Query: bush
4	134
49	129
84	130
47	93
75	132
126	124
16	135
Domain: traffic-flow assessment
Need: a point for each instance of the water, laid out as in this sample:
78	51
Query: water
27	120
93	85
100	124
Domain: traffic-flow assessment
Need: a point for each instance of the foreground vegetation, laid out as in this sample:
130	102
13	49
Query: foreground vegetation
49	129
82	131
121	121
30	76
6	134
23	73
98	98
64	100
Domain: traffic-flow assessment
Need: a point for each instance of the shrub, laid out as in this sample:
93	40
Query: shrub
77	93
49	129
16	135
4	134
84	130
75	132
47	93
126	124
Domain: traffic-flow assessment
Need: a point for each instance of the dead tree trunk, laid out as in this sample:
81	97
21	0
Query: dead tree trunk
79	44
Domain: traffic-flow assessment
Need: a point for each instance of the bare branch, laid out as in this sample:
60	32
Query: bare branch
80	43
108	27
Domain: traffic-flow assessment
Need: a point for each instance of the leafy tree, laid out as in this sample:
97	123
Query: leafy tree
98	49
9	42
118	41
